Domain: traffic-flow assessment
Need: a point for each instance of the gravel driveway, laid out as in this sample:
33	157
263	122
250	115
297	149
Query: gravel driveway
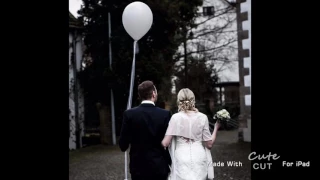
107	162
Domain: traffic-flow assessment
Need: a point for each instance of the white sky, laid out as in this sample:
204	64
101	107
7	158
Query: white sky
74	6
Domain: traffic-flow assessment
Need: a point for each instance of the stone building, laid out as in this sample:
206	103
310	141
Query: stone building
76	98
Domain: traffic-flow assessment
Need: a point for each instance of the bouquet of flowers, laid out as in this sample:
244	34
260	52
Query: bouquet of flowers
222	116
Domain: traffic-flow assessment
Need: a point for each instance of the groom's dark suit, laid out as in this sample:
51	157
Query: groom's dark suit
143	128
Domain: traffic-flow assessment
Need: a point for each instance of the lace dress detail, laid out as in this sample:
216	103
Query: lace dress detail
190	158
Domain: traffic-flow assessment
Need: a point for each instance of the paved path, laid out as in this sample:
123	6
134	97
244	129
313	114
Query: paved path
107	162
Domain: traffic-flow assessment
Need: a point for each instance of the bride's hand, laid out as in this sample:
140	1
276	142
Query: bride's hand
217	125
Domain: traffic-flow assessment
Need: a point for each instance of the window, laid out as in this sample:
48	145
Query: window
208	11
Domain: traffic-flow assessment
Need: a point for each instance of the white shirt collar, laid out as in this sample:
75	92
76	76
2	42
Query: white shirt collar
147	102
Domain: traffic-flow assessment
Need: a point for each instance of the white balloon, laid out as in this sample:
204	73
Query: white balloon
137	19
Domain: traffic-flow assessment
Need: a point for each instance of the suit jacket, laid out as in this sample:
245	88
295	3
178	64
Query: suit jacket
144	128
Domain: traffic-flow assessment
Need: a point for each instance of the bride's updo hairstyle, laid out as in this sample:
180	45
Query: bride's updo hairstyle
186	100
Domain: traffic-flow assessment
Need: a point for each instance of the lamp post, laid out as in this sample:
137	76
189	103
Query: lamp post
114	142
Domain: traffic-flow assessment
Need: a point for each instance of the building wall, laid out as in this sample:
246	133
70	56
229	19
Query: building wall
231	94
244	47
72	100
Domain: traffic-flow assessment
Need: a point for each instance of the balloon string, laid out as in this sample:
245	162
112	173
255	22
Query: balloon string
132	75
130	100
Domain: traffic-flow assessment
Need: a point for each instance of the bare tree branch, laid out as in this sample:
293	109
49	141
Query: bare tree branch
211	31
212	40
223	12
210	49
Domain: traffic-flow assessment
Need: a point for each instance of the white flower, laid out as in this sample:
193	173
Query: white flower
223	114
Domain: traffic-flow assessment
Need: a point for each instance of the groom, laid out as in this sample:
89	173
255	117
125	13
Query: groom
143	128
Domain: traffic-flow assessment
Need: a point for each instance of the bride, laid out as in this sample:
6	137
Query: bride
186	131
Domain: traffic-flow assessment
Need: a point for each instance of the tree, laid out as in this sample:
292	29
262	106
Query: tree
211	39
213	35
156	49
203	82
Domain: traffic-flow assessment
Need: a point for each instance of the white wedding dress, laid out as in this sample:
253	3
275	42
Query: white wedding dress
190	159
